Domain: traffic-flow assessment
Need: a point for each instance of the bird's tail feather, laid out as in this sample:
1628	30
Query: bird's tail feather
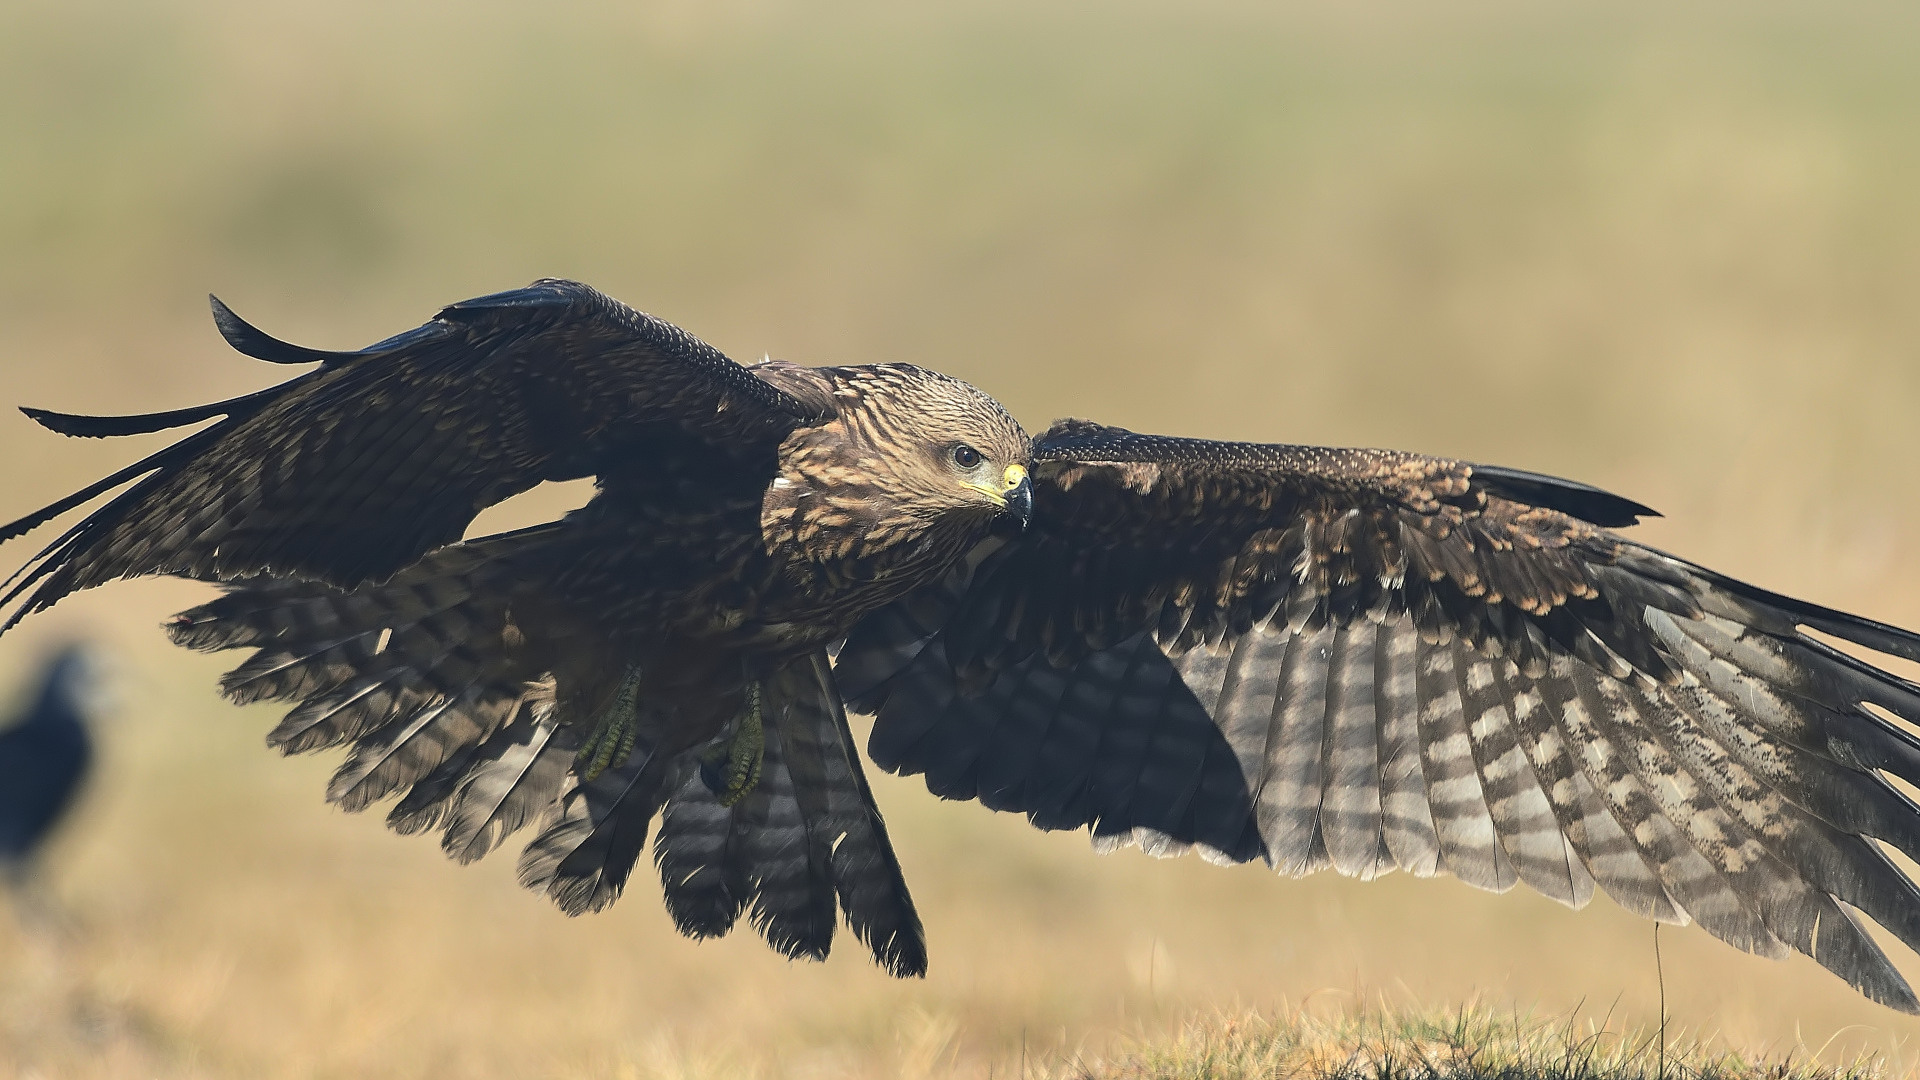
582	858
805	843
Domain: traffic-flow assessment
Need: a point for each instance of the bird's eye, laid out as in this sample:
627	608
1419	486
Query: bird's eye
966	456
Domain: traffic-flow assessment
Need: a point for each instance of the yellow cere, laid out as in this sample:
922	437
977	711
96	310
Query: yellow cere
1015	474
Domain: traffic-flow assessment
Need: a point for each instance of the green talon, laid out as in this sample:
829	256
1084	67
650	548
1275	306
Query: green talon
614	731
744	753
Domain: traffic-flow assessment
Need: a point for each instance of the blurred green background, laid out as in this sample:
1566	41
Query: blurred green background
1673	250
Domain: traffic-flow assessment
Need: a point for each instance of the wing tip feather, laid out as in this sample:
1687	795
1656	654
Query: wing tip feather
249	340
1583	501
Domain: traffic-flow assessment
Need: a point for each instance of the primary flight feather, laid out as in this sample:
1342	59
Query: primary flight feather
1356	659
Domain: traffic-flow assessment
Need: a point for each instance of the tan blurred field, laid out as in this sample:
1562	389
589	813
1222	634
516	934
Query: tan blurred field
1672	252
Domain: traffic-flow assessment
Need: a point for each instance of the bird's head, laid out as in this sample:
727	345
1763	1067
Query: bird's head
980	468
911	454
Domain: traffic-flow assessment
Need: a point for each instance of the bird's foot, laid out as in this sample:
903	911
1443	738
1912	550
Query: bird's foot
614	730
743	753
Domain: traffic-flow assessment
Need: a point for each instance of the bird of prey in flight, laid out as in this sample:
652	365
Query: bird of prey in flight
1359	659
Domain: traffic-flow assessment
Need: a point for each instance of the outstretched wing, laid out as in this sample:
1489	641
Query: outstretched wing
354	469
1369	660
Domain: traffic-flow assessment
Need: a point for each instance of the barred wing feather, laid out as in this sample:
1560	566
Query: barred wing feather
1371	661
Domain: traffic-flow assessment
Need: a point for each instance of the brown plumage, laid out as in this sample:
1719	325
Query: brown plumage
1356	659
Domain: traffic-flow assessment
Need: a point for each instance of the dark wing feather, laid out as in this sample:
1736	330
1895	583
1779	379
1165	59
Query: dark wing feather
1583	501
418	677
1370	660
807	836
350	471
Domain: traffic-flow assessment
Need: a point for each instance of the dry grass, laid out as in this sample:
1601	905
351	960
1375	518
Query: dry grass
1469	1043
1670	250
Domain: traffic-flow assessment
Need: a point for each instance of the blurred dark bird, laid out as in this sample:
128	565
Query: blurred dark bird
45	753
1356	659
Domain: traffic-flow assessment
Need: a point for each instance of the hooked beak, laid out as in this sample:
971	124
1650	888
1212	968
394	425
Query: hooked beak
1019	496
